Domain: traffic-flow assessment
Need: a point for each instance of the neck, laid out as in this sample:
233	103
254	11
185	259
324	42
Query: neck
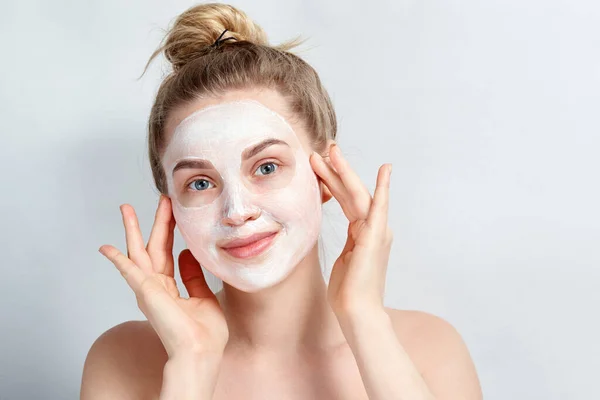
293	315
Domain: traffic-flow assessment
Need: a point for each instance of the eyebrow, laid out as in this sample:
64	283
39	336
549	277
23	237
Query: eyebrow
193	164
203	164
261	146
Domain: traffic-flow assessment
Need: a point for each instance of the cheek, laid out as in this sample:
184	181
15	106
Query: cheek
299	200
196	223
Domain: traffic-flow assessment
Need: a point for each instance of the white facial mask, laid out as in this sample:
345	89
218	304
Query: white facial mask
236	198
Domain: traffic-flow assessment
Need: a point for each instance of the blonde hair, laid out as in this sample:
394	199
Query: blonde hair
201	70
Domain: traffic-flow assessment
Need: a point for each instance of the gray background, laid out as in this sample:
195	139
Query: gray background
488	111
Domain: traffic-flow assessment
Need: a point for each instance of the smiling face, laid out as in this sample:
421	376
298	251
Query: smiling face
235	169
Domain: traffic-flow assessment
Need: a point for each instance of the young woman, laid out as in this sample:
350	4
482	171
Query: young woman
242	148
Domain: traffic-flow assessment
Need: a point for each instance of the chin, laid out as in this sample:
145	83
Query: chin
254	283
267	273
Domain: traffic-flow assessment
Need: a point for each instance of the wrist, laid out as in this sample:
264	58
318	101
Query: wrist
190	376
355	317
204	358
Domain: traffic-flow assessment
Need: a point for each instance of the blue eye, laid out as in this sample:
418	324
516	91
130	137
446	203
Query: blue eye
199	185
271	166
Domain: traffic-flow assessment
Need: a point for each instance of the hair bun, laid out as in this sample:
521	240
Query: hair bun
200	26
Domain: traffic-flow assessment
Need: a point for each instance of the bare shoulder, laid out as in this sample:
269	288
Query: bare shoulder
420	333
413	325
126	361
438	351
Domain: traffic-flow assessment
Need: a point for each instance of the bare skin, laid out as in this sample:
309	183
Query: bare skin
134	358
285	341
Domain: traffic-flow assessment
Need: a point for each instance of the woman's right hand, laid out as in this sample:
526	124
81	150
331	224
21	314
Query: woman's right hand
194	326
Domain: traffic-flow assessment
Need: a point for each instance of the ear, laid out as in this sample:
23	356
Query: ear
328	145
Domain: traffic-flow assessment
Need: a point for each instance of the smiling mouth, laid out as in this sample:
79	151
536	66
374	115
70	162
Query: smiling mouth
250	247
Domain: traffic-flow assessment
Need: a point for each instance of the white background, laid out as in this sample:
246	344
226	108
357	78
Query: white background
488	111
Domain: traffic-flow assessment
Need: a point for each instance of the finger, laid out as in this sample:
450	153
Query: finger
169	269
378	213
136	250
158	244
361	198
165	316
333	182
131	272
192	276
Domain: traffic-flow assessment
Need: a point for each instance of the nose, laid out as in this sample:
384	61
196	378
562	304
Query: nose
238	209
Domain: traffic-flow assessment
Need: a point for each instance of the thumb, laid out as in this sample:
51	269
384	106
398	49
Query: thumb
192	276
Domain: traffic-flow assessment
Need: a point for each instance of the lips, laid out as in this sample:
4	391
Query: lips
246	241
250	247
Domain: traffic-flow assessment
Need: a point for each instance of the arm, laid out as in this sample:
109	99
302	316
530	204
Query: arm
356	289
388	372
192	331
190	378
385	367
128	362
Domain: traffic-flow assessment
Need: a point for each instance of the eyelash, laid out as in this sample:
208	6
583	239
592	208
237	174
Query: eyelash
202	179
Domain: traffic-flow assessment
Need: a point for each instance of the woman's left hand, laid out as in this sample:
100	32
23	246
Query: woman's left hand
357	281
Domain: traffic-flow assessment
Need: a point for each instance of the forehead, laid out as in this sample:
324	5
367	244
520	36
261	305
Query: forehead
231	123
270	99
